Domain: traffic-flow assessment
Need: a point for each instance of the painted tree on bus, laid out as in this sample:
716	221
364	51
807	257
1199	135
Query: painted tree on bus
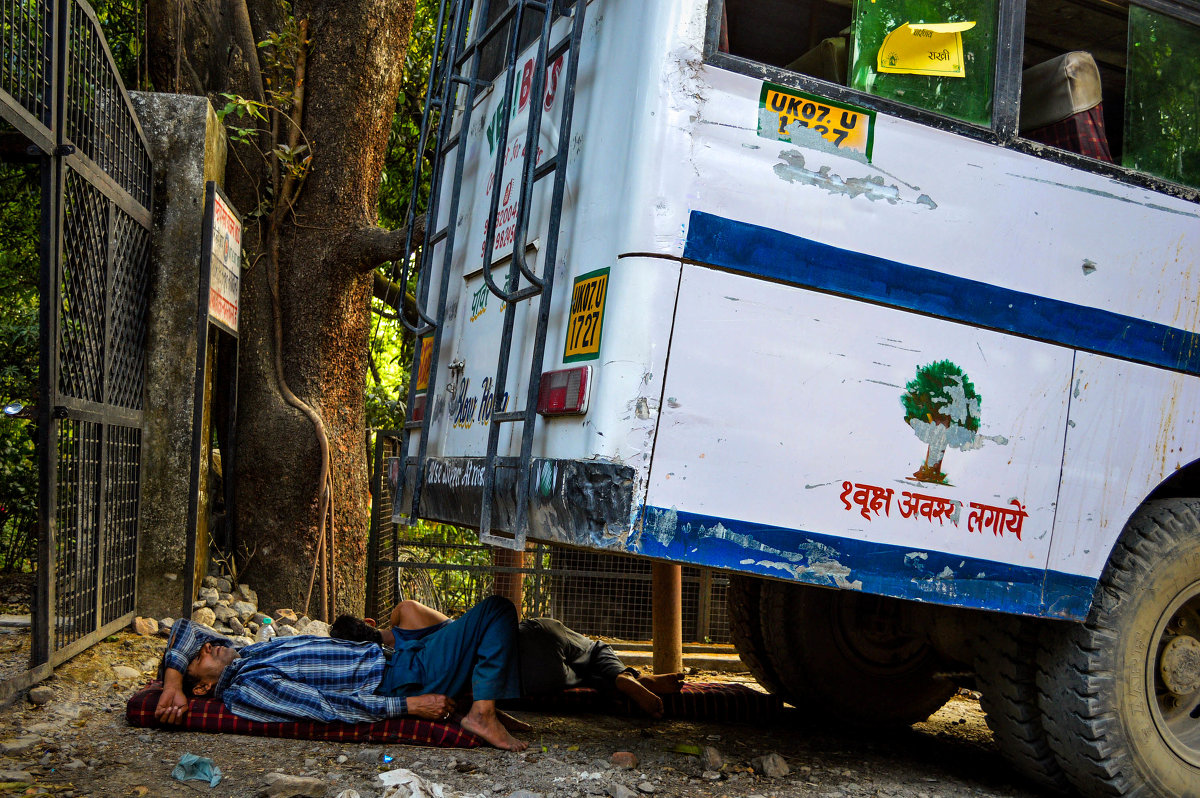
942	407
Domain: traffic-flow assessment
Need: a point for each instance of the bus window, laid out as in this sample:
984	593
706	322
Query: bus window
806	36
1162	98
1115	82
933	54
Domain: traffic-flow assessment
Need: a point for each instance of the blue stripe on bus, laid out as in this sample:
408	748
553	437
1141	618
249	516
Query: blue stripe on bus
775	255
899	571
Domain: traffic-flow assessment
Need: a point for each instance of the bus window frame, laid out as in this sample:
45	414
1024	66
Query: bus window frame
1006	93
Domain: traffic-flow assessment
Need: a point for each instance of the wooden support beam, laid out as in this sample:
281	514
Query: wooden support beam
667	622
509	584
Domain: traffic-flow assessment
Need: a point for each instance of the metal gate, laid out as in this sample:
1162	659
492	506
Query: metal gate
61	92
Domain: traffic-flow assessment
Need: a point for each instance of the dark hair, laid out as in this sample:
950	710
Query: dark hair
347	627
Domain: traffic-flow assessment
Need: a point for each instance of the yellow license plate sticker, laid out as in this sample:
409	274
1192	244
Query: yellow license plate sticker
587	316
784	113
423	368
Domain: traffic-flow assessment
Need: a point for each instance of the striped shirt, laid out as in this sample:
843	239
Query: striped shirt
303	677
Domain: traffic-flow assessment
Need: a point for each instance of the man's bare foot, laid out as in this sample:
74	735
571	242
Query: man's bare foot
647	701
483	721
511	723
663	683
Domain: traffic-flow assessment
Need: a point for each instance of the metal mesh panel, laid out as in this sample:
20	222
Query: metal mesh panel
77	536
122	458
25	53
81	323
129	300
97	120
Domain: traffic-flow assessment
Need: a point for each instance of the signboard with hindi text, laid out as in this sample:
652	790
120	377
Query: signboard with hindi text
223	251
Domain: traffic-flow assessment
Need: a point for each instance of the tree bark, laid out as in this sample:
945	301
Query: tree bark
327	245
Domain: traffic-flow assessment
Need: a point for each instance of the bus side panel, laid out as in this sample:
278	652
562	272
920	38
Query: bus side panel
785	449
1131	427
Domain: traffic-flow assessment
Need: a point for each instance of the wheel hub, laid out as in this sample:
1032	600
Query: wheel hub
1179	665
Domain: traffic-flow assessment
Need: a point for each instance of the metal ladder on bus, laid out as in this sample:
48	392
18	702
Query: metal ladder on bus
452	53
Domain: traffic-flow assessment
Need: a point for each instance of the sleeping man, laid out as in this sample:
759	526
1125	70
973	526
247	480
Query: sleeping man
324	679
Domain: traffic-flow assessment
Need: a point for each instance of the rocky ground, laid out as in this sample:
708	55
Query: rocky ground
77	743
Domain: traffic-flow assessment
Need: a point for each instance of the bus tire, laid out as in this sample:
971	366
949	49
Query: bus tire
1120	693
848	655
746	631
1006	675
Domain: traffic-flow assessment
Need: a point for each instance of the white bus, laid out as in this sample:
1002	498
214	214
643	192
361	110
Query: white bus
889	308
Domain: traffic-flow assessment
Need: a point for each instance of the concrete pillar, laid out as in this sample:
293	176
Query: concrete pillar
187	143
666	580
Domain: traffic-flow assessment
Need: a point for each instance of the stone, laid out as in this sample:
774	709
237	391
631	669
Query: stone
524	794
646	787
227	598
286	615
259	617
246	594
368	756
144	626
618	790
342	759
302	623
75	764
125	673
164	626
310	763
18	776
624	759
204	615
222	584
772	765
20	745
244	609
224	613
210	596
40	694
198	604
282	785
208	581
711	758
285	630
236	626
223	628
318	628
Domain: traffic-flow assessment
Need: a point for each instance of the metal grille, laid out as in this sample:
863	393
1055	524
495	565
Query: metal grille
98	119
59	87
126	376
82	317
77	540
606	595
121	495
25	56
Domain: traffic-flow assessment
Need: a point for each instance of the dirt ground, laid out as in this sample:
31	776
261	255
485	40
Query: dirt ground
79	744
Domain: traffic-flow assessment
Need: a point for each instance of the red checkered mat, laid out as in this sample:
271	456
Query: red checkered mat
698	701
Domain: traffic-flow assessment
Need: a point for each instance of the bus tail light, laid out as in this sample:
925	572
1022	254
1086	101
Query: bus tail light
418	408
565	392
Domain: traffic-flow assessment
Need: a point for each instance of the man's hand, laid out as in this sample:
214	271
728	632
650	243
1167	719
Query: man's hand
431	706
172	705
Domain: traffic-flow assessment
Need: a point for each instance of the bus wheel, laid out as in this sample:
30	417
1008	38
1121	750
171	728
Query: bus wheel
1120	694
746	631
1006	673
851	655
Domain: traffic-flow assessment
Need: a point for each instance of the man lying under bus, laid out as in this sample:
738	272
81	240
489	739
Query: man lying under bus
305	677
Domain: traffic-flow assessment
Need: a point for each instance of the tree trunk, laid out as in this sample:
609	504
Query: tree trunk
327	248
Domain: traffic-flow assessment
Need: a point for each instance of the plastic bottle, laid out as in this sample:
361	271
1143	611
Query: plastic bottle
265	632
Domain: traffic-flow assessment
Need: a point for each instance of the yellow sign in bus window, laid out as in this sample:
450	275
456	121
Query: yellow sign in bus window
925	49
423	368
784	112
587	316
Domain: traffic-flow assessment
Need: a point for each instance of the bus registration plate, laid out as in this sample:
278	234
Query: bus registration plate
587	316
784	113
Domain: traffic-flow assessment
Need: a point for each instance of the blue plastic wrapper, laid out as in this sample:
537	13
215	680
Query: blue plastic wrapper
199	768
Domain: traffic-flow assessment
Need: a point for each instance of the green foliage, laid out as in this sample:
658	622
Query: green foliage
19	265
124	26
942	394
